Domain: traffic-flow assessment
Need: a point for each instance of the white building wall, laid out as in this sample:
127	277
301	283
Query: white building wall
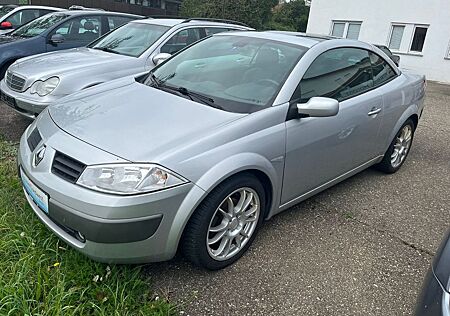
377	18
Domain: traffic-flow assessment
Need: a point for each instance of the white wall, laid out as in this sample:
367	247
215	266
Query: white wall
377	17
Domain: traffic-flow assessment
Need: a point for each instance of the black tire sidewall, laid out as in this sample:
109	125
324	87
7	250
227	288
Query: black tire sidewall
207	209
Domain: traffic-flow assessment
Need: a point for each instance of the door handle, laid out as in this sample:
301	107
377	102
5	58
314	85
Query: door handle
374	111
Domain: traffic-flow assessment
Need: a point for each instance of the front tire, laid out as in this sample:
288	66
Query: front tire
397	152
225	224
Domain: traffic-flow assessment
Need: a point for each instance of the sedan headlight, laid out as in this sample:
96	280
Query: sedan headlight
42	88
129	178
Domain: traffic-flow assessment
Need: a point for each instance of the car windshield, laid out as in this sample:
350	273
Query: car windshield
235	73
5	10
39	25
132	39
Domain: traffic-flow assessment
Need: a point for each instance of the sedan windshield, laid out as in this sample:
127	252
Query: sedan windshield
5	10
235	73
132	39
39	25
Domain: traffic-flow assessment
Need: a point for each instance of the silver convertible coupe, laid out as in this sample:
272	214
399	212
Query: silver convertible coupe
225	134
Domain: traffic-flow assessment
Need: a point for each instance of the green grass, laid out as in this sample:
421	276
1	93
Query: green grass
41	275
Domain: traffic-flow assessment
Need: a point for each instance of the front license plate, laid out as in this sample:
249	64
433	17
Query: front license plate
37	195
8	100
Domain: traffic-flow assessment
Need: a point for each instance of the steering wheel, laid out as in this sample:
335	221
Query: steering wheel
267	82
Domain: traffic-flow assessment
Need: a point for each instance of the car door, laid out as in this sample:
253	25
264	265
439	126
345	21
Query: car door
319	150
77	32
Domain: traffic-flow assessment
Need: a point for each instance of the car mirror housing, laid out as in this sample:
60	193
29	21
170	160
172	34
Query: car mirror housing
318	107
57	39
6	25
161	57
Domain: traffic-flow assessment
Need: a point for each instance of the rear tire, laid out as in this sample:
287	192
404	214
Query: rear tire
225	224
399	149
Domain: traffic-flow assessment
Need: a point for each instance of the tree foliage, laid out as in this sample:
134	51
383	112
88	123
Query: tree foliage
259	14
256	13
291	16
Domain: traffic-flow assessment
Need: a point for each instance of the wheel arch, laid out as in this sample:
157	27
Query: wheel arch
410	113
262	169
5	65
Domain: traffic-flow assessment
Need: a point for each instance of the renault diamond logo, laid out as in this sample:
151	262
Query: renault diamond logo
38	156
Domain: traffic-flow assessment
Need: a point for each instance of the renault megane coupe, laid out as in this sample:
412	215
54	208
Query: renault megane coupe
225	134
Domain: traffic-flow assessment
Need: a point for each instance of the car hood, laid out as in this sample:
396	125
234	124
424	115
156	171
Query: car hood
10	39
63	62
136	122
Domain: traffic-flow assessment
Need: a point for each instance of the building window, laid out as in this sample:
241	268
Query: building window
396	37
420	33
407	37
346	29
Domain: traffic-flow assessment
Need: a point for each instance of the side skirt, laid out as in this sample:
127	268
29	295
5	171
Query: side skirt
326	185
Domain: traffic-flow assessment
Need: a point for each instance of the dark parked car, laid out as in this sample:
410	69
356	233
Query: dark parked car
435	296
56	31
387	51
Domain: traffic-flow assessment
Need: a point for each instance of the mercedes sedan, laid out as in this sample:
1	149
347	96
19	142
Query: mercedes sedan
132	49
225	134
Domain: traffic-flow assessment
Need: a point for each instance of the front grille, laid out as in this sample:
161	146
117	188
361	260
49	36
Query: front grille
14	82
34	139
66	167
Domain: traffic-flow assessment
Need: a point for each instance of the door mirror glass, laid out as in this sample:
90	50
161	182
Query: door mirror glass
57	39
6	25
318	107
161	57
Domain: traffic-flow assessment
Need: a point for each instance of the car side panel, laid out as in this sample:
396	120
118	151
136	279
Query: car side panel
402	98
15	50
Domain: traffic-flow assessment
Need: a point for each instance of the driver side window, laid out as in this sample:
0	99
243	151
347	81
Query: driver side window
83	29
180	40
339	74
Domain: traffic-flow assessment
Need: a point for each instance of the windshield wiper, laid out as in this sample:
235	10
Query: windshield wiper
191	95
155	80
107	49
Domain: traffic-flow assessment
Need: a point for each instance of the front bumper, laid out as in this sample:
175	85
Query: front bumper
107	228
433	300
25	103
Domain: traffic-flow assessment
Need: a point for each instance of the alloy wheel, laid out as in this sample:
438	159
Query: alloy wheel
402	145
233	224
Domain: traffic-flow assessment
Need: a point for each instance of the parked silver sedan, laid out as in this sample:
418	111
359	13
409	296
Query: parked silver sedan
33	83
225	134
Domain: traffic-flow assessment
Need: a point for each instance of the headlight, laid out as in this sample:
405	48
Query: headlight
129	178
43	88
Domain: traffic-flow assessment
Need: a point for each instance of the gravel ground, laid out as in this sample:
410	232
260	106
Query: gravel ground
359	248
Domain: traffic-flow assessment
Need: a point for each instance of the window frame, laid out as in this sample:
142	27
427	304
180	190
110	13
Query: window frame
415	26
408	50
296	96
390	36
346	27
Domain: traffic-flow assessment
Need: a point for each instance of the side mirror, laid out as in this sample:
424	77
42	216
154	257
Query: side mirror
6	25
159	58
57	39
318	107
396	59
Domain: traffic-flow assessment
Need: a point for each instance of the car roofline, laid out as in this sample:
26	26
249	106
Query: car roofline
182	20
